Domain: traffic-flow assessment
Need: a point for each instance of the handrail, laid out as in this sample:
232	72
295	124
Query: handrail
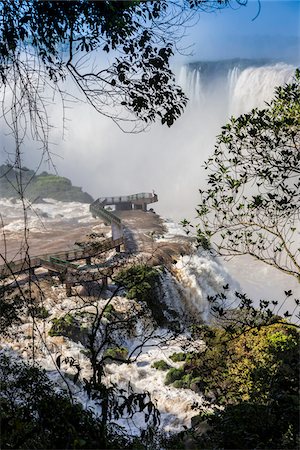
63	259
128	198
97	209
20	265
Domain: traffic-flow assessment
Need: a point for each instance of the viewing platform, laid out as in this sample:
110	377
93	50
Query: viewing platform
127	202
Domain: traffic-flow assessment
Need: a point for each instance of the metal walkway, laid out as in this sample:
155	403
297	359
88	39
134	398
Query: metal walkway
57	262
61	263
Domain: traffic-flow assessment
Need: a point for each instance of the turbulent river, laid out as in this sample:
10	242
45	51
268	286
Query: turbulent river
183	293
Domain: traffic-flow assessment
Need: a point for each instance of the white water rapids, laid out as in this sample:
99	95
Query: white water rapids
196	277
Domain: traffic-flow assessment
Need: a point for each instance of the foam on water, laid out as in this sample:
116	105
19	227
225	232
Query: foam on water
194	277
41	215
173	231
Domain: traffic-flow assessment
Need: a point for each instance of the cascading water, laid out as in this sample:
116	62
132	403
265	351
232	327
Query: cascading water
183	299
228	87
240	84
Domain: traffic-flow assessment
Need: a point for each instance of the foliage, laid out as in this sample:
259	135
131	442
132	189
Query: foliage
177	357
109	312
34	415
116	354
238	367
254	375
252	425
252	203
60	39
11	308
160	365
66	326
139	281
142	282
174	374
40	312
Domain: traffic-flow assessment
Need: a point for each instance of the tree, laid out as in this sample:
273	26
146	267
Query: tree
44	42
251	205
251	379
103	326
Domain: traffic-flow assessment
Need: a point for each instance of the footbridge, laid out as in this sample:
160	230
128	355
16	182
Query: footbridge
62	263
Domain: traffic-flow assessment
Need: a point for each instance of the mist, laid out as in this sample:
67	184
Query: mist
95	154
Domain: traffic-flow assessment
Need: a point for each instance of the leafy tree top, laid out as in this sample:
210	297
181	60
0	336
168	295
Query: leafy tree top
53	39
251	205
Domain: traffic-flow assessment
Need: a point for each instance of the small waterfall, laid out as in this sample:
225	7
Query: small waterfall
200	276
195	276
191	83
232	78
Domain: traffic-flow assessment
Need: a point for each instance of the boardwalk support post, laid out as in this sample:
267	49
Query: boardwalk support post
68	289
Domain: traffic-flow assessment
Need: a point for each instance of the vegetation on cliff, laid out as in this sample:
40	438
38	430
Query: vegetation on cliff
253	377
36	187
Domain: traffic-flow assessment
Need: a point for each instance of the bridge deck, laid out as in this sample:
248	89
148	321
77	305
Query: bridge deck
141	198
48	260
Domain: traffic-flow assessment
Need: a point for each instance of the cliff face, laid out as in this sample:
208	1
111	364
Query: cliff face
40	186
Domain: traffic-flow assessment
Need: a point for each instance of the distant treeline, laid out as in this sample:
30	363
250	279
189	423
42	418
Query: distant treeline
35	187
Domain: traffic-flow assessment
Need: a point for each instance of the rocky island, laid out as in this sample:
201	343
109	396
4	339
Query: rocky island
37	186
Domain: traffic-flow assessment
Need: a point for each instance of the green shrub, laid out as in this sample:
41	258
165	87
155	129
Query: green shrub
41	312
116	353
108	312
179	384
178	357
254	376
66	326
139	282
142	283
173	375
35	416
161	365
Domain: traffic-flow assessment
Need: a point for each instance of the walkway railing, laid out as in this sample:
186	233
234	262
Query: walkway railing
61	260
68	256
97	209
128	198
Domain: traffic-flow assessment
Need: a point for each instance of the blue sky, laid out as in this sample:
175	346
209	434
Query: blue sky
274	33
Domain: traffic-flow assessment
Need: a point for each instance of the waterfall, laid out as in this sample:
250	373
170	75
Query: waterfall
255	86
238	85
229	87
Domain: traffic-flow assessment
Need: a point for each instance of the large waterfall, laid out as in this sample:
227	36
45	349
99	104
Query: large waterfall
238	85
217	90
